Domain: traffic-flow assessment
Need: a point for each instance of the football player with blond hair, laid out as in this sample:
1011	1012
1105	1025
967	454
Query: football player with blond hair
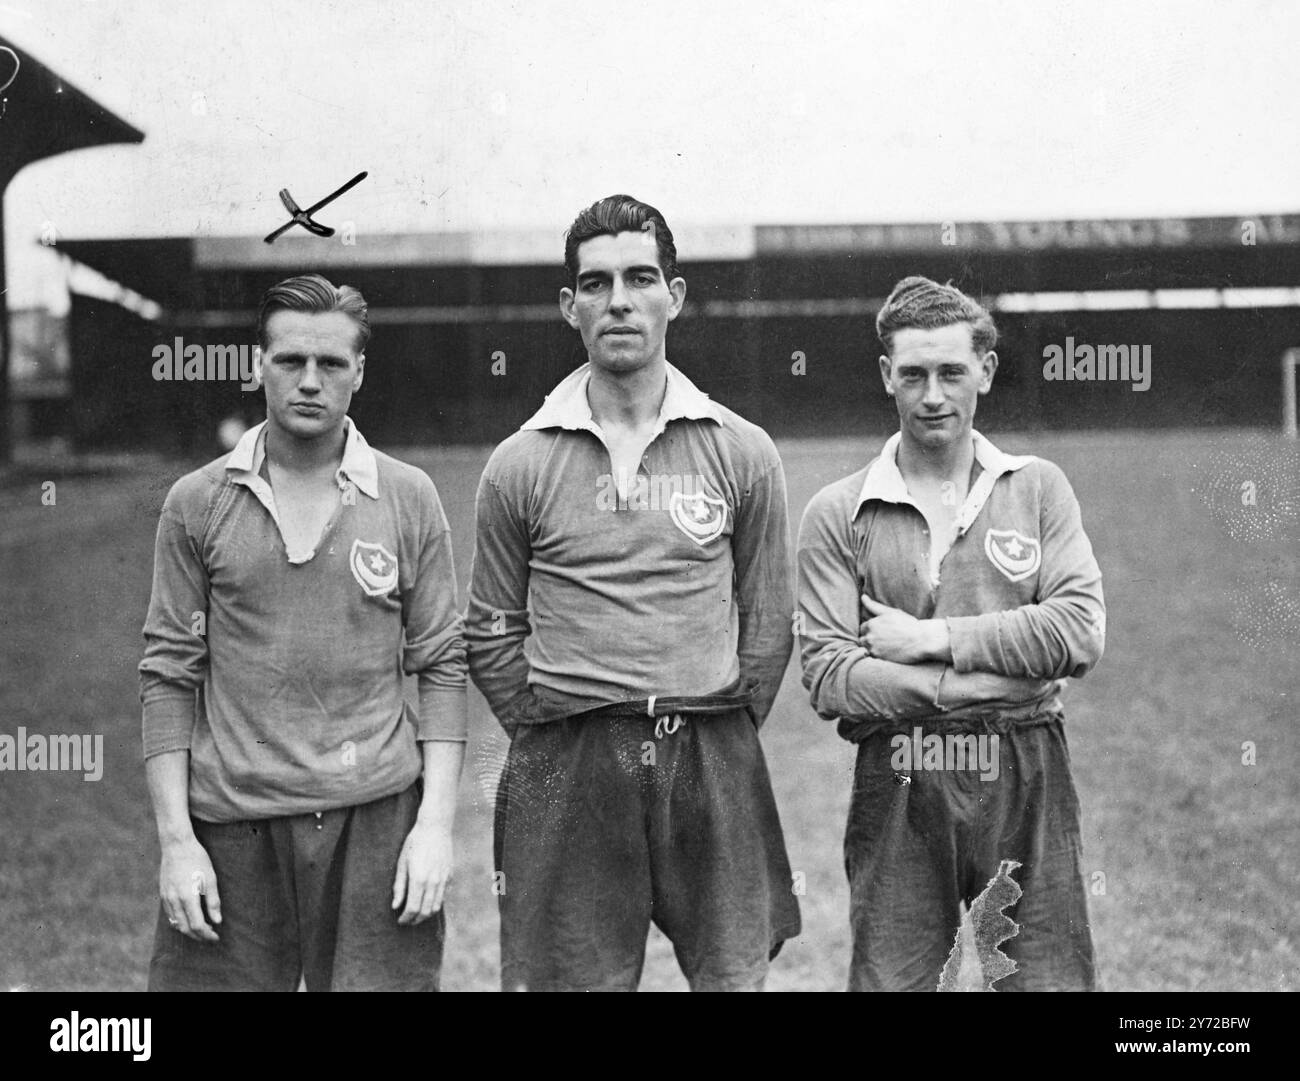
304	808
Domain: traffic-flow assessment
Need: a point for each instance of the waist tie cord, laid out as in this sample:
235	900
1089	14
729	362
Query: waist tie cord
667	725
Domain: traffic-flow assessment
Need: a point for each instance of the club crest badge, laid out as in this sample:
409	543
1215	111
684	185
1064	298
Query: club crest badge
374	567
700	516
1014	554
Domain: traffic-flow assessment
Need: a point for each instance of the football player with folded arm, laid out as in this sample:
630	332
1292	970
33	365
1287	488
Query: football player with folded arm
949	590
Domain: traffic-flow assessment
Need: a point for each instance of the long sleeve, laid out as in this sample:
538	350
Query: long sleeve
1063	632
175	632
842	679
764	587
434	647
496	622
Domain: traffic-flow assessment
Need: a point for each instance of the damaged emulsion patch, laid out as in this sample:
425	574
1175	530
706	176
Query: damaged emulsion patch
991	928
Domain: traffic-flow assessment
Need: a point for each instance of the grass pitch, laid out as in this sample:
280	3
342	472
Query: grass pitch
1191	853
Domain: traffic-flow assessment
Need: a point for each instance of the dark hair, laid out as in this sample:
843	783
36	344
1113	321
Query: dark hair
313	294
619	214
922	304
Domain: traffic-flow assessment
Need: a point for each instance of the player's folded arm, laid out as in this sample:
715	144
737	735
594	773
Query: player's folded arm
764	586
1061	634
842	679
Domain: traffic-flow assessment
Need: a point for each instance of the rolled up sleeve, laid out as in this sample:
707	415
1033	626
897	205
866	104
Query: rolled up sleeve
434	644
175	659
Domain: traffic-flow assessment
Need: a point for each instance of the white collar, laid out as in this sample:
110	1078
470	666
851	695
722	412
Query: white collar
567	405
358	465
884	481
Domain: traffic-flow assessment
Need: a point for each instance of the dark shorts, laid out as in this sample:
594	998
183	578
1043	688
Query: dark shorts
914	850
306	896
603	827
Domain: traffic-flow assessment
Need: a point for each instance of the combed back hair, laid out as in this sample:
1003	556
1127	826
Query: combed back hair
315	295
921	304
619	214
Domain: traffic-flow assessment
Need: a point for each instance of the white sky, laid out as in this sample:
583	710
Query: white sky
491	115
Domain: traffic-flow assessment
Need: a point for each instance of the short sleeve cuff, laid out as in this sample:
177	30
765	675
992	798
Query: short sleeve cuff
168	720
444	714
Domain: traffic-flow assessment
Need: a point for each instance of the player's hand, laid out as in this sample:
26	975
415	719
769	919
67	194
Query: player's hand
524	708
423	871
892	635
186	883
